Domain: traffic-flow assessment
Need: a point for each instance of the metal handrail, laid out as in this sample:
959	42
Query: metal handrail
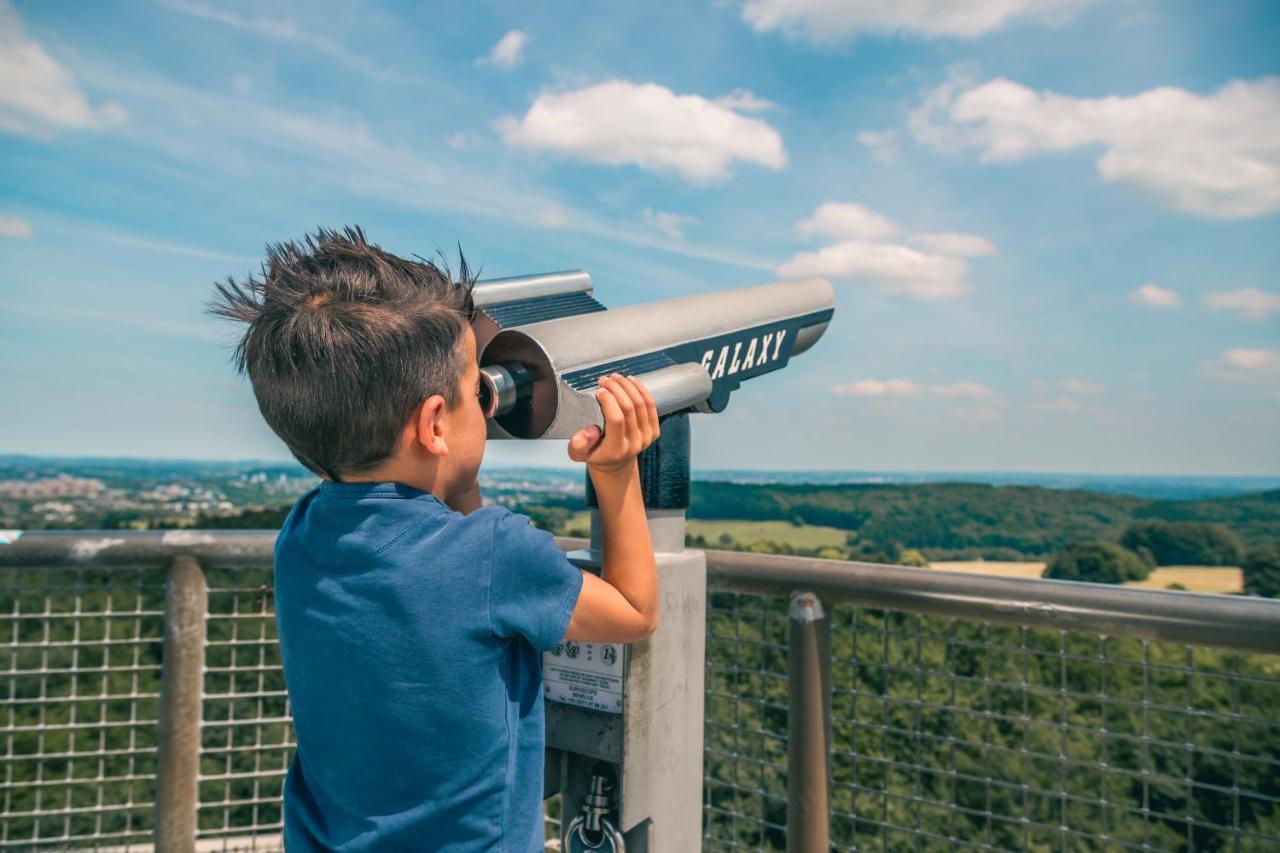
1231	621
1100	609
1237	622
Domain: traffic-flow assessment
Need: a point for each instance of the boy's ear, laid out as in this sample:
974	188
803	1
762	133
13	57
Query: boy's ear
429	423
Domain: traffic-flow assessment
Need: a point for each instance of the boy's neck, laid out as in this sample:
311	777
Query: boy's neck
463	499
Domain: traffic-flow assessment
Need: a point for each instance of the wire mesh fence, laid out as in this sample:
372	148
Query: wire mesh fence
246	737
80	684
957	734
947	733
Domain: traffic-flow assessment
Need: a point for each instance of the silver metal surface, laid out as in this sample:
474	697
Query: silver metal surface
181	695
502	384
672	388
553	348
496	290
808	726
808	336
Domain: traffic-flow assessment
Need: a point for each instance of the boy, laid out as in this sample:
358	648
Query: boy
411	618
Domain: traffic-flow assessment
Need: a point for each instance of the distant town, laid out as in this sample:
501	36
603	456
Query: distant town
44	494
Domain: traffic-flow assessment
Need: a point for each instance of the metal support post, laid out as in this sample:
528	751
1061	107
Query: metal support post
809	726
181	695
655	744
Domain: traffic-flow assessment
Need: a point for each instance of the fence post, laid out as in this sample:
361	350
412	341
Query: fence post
808	726
181	695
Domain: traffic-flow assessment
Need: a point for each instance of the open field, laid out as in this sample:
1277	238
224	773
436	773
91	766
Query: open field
990	567
746	532
1220	579
1224	579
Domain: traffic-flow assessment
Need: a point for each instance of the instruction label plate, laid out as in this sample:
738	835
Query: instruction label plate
588	675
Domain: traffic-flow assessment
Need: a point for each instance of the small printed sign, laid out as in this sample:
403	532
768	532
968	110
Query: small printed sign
588	675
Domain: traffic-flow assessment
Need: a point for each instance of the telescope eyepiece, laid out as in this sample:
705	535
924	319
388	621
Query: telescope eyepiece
502	386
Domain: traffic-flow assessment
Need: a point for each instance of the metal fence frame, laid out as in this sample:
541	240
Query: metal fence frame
1095	609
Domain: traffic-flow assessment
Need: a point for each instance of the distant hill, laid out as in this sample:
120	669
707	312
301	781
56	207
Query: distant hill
974	517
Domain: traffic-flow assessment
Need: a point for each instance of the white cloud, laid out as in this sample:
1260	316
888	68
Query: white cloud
1250	303
865	254
210	133
12	226
647	125
1246	365
552	216
883	145
1061	405
827	21
898	269
967	390
965	245
459	140
132	241
38	95
1083	386
745	101
906	388
1155	296
284	30
671	224
848	221
879	388
508	52
1215	155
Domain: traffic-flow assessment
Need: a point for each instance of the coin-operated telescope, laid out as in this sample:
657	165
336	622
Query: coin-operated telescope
625	723
540	367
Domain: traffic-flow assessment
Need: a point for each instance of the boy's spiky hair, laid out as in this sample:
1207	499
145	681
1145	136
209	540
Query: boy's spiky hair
344	341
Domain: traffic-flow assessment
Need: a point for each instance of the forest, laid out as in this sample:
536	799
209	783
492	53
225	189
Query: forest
973	520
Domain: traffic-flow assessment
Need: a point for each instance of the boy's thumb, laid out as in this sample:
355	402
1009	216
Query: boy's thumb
585	437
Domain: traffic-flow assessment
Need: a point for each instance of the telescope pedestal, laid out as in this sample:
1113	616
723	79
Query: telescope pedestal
654	747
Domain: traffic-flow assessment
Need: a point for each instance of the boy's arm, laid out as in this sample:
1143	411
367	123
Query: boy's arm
621	605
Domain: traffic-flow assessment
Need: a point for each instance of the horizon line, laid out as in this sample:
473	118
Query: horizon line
693	469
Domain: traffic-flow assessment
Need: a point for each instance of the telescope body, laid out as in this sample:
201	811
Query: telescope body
691	352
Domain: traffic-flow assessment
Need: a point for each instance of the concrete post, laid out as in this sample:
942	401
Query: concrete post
181	695
809	727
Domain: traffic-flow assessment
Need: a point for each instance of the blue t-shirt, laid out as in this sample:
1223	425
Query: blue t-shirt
411	638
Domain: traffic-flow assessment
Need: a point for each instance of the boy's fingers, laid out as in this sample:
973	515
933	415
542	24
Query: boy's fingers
644	429
614	420
650	410
619	389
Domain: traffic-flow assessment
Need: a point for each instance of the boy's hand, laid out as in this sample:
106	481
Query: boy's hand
630	425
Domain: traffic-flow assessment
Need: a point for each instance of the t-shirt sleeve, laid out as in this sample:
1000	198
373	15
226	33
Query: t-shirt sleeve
533	587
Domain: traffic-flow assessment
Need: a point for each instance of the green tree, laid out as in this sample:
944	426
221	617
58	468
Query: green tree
1098	562
1181	543
912	557
1262	571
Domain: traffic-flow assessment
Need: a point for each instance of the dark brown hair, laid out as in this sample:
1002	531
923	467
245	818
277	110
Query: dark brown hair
344	341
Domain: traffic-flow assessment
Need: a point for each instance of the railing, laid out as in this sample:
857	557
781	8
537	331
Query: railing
971	711
927	709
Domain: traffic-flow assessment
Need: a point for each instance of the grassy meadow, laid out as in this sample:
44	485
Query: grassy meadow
744	532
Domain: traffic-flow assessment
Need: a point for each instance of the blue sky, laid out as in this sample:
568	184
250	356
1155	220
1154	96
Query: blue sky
1053	227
